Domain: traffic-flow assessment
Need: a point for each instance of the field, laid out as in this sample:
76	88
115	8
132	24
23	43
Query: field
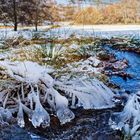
49	78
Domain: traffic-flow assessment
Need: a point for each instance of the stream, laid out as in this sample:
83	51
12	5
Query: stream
88	124
131	85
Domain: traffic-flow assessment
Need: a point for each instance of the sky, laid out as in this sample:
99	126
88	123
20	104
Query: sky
65	1
62	1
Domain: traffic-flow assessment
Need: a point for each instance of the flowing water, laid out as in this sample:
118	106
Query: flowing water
131	84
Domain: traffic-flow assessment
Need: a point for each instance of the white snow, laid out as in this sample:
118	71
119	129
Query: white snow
73	46
105	31
85	66
29	71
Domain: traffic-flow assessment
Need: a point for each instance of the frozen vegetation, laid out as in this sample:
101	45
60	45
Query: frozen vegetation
52	73
36	86
128	120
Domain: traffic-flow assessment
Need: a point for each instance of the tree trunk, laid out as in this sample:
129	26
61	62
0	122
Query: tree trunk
15	26
36	26
15	15
36	18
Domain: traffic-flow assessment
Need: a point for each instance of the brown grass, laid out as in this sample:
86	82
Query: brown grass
125	12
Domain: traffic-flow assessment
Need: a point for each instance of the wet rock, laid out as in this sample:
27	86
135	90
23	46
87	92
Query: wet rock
120	64
116	65
113	86
124	44
122	74
103	56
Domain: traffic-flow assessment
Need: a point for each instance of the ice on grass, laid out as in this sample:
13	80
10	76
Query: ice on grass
129	120
91	93
38	87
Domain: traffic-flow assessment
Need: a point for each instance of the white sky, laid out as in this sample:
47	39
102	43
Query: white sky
62	1
65	1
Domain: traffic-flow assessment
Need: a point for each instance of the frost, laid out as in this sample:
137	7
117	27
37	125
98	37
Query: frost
93	61
89	65
74	46
102	31
64	32
36	87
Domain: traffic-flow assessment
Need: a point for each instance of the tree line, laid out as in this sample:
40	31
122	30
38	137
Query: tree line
25	12
107	12
35	12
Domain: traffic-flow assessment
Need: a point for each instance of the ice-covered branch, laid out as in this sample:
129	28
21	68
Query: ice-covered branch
35	83
90	93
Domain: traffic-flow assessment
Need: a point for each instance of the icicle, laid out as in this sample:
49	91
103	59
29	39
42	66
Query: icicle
28	111
5	100
40	115
73	101
30	99
89	93
20	116
22	92
65	115
60	104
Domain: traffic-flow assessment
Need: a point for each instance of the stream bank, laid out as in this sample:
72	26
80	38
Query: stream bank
88	124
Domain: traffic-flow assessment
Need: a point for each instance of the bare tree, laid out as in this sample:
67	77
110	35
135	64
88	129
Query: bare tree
15	14
10	12
23	11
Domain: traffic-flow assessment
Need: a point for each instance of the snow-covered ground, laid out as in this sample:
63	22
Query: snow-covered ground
105	31
107	27
80	90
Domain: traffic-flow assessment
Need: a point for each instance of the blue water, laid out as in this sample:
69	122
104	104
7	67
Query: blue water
132	85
